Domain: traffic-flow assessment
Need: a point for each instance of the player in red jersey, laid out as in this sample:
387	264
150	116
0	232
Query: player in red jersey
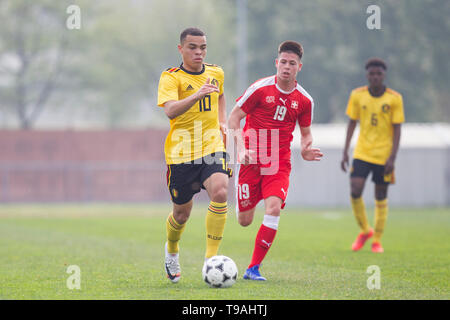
272	107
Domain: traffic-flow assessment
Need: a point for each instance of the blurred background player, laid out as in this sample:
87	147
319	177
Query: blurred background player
379	111
273	105
193	99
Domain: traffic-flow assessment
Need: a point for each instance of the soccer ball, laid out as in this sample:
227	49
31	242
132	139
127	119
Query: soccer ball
220	272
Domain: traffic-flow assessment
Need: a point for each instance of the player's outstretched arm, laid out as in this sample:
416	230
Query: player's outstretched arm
309	153
350	129
174	108
234	126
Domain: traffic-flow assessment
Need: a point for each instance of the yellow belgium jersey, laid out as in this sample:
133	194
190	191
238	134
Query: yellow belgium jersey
195	133
376	117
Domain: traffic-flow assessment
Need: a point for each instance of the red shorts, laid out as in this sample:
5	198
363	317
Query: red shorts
252	186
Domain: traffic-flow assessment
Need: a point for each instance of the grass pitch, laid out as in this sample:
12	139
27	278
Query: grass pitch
120	252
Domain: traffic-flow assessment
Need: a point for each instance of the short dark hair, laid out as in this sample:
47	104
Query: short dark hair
376	62
191	31
291	46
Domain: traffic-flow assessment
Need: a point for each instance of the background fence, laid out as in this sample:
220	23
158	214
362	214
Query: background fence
128	166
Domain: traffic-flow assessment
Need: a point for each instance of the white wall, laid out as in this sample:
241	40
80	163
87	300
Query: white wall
422	169
422	179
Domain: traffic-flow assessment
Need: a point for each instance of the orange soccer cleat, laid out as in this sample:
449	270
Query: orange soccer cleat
361	240
377	248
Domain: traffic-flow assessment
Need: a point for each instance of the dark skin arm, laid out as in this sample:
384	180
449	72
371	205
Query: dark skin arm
350	129
389	166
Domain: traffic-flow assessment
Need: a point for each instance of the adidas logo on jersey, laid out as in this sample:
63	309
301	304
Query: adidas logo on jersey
189	87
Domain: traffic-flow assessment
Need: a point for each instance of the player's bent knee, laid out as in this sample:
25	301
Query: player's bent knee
356	192
245	218
273	208
380	197
356	187
273	211
220	194
245	221
356	195
380	192
181	218
181	213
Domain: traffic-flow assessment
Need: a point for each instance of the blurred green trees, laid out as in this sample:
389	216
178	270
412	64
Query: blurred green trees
106	74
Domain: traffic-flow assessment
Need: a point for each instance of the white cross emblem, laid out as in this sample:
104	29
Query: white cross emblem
294	104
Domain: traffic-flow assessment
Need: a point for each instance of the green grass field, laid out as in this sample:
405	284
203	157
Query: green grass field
119	249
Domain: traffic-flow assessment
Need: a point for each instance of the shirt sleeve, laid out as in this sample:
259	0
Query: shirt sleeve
167	88
306	115
398	115
248	100
353	107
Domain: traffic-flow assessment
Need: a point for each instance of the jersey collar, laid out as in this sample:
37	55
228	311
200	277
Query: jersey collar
281	90
191	72
368	90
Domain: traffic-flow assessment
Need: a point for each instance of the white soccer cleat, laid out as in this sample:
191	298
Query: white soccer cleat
172	266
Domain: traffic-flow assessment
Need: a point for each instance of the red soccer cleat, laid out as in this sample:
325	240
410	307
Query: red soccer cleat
377	248
361	240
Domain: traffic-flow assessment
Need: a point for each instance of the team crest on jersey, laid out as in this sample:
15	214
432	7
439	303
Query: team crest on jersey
270	99
385	108
215	82
294	104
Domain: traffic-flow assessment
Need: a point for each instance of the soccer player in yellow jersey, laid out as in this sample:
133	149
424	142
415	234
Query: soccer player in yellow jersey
193	99
379	111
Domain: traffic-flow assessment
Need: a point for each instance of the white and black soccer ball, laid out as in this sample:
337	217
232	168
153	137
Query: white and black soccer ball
220	272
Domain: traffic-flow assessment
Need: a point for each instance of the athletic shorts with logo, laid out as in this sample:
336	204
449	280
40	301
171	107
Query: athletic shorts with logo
252	186
362	169
186	179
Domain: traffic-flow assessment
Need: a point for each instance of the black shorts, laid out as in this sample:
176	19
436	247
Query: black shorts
362	169
186	179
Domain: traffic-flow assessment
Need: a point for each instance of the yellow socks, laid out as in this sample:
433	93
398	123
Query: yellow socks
174	231
381	211
359	210
215	224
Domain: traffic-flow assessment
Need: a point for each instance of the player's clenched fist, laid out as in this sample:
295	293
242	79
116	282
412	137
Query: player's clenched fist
206	89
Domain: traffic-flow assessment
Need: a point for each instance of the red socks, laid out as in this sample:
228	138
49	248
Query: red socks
264	239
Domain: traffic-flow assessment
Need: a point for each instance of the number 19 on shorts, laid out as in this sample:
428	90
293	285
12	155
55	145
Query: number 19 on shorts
243	191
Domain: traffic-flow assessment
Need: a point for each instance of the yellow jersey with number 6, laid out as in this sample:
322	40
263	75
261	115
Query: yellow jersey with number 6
376	117
195	133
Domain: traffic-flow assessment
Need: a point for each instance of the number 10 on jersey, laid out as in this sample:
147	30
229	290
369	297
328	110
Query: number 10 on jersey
205	103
